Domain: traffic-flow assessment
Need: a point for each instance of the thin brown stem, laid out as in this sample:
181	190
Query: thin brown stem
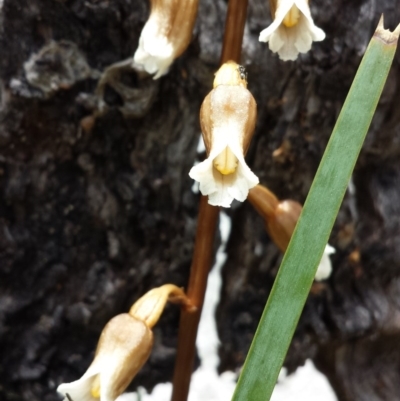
207	221
202	259
234	30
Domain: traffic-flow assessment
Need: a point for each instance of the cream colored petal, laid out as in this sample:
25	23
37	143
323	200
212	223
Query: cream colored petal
288	51
155	53
245	180
222	197
303	38
203	174
277	40
325	266
79	389
212	183
265	35
317	34
283	8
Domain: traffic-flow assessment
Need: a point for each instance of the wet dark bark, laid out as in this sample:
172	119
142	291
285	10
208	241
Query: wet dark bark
95	211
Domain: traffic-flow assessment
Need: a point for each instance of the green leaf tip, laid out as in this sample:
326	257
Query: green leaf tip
385	35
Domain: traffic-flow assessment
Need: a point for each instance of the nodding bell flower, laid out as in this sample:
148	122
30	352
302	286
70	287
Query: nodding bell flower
123	348
280	221
227	118
166	35
293	30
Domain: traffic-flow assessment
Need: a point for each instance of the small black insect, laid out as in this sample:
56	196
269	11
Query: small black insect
69	397
242	72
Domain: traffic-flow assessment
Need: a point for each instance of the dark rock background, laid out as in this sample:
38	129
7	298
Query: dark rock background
96	204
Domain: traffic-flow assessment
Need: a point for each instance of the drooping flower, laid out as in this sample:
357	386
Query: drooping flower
166	34
293	29
227	119
280	221
124	346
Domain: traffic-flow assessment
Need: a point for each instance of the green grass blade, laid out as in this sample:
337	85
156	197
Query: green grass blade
296	274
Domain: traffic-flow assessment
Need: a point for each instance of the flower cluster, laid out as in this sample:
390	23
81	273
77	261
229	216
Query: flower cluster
227	118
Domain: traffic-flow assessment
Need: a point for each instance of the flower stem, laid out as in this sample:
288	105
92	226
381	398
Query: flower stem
202	259
207	221
234	29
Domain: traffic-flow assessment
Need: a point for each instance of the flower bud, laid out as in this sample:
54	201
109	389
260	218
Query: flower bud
231	74
293	30
227	118
124	346
166	35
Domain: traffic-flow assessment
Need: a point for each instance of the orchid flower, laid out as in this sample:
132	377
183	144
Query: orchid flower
227	119
123	348
293	30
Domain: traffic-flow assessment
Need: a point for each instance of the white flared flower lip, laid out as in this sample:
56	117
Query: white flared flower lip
223	189
155	53
289	42
166	35
80	390
325	265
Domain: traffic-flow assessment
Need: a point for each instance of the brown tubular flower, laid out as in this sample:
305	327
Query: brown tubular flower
227	118
280	217
166	34
123	348
281	226
280	221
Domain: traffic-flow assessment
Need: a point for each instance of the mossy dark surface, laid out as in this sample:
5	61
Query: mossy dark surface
96	211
